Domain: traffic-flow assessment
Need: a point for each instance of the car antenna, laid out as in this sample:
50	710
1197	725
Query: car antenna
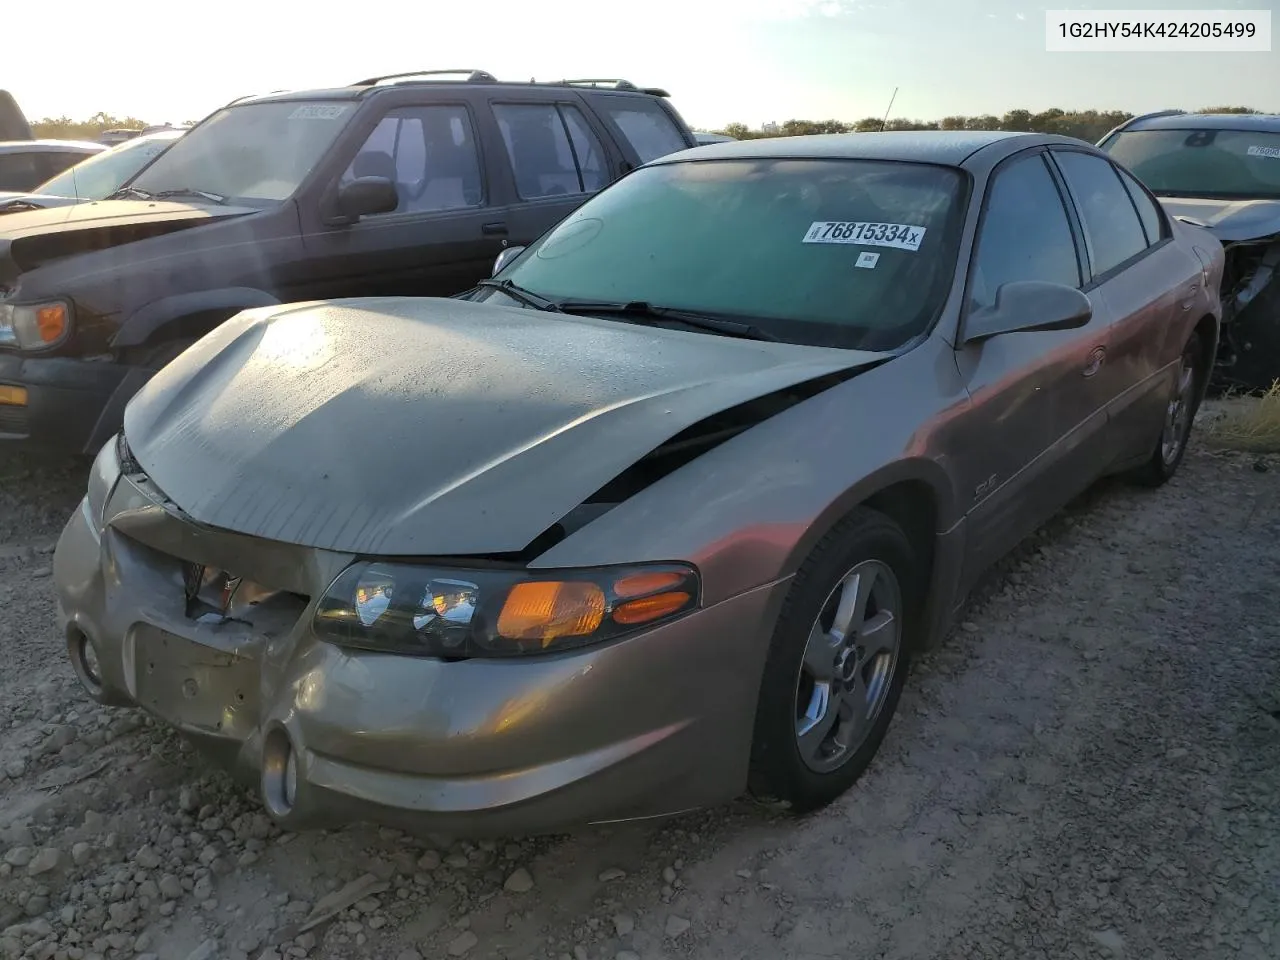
888	108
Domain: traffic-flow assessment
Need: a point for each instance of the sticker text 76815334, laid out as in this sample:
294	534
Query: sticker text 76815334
903	236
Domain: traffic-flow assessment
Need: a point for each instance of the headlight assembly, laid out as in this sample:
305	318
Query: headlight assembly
33	326
458	613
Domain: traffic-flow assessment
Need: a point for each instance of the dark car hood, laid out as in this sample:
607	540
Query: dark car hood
430	426
32	237
1229	220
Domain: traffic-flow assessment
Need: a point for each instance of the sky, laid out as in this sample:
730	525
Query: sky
750	61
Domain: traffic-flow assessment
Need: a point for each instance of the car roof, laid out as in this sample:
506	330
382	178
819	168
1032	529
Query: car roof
1262	122
435	79
955	148
51	146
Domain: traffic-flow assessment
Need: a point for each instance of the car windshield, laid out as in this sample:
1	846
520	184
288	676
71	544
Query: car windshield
102	173
1217	164
846	253
255	153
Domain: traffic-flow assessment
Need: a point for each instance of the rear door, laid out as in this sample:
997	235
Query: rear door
552	156
441	237
1035	430
1145	278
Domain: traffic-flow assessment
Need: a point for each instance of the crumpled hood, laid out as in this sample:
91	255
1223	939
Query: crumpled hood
1229	219
402	426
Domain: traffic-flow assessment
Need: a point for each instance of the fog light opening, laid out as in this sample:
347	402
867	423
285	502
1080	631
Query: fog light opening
279	774
85	662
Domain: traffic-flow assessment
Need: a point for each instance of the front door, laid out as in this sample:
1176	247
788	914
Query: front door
442	236
1032	438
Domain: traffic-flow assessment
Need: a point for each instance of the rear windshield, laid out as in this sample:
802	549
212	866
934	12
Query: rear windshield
845	253
1226	164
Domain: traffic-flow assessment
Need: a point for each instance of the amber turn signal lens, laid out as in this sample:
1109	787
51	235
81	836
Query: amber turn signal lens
640	584
13	396
650	608
51	322
546	609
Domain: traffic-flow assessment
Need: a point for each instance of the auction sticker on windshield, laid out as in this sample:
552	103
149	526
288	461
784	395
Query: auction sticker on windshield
903	236
318	111
1272	152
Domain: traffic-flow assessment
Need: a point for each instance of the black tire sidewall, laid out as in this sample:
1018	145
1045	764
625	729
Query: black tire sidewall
1192	346
778	771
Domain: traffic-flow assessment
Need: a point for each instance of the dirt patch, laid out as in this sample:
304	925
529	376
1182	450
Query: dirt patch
1089	767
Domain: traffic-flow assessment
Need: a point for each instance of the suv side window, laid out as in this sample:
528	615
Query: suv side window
1151	221
55	162
1025	234
552	150
645	124
429	153
18	171
1112	231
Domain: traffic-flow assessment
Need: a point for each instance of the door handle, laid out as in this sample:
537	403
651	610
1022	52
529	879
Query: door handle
495	229
1096	357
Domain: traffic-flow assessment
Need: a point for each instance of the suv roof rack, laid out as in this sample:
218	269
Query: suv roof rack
616	83
473	76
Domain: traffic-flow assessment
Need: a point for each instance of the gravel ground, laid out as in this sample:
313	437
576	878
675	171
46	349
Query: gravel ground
1089	767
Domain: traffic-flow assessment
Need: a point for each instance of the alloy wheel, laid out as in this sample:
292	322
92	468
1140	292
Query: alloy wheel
849	661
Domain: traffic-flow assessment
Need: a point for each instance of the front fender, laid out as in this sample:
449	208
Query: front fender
148	319
748	511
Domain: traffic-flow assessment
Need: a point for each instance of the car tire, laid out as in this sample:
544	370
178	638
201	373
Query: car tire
865	571
1180	414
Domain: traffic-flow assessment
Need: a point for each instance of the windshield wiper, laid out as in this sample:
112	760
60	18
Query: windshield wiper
527	297
189	192
642	310
125	192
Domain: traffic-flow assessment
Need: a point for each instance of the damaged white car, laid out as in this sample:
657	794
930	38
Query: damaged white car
1222	171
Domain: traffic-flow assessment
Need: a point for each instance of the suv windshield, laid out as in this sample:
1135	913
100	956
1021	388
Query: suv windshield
846	253
1216	164
256	153
101	174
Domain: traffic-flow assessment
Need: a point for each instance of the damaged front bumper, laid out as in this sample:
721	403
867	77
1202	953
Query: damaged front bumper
655	724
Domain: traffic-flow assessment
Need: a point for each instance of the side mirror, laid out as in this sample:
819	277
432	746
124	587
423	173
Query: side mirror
1025	306
505	257
364	196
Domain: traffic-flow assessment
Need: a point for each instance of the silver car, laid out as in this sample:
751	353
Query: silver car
659	513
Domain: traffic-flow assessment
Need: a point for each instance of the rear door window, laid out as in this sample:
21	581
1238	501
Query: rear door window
646	125
552	150
1147	211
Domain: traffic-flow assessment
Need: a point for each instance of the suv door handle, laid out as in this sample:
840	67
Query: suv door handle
495	229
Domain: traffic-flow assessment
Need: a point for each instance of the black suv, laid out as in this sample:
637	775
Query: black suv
404	185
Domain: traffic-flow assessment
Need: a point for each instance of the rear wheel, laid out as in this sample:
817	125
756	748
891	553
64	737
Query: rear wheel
837	662
1179	414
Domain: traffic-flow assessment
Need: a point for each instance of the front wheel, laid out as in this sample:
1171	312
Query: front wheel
1179	414
837	663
